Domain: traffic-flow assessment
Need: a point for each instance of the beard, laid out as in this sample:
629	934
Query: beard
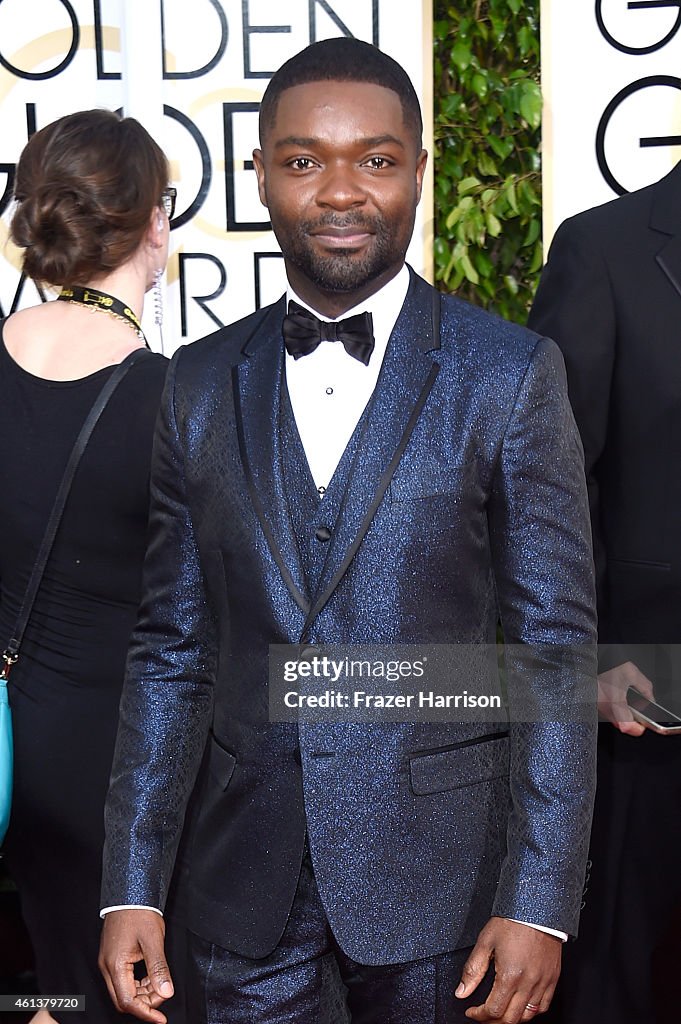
342	270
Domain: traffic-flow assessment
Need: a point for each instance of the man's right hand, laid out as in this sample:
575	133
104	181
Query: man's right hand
128	937
612	696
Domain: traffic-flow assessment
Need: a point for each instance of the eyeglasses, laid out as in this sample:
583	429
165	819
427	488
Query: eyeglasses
168	197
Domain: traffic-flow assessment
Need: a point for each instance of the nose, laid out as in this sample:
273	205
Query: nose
341	187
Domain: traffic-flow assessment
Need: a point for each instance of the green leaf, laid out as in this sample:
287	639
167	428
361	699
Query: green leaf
479	85
451	106
527	194
453	217
531	103
461	55
533	231
469	270
537	260
526	40
440	249
468	185
486	165
498	27
483	264
511	283
457	280
511	195
448	271
493	224
503	147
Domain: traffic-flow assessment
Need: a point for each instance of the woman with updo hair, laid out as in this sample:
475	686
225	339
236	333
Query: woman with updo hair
92	217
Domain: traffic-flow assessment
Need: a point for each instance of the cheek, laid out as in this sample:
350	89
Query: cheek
398	215
284	216
288	203
398	202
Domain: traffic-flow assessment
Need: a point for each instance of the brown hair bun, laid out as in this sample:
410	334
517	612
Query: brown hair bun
85	187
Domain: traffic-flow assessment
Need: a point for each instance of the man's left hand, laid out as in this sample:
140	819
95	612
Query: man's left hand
526	968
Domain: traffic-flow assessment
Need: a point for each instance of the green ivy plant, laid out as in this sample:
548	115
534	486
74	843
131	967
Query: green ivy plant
487	167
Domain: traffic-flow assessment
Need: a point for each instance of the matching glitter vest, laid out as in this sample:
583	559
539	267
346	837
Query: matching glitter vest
313	518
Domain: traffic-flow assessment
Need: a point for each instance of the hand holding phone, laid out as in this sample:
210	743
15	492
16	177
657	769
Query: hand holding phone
652	715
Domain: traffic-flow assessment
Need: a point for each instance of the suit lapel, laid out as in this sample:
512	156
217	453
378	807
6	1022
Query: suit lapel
666	218
257	398
406	378
669	259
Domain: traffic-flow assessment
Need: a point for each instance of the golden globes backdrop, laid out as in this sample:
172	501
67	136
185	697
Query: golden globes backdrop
611	76
194	74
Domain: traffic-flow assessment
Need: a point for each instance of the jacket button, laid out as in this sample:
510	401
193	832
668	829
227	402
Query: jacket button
323	534
308	653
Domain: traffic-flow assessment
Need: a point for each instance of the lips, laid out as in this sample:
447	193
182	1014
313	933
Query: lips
352	236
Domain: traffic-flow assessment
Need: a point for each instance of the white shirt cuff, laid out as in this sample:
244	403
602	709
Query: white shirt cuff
540	928
129	906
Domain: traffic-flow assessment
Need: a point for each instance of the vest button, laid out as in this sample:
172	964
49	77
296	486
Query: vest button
323	534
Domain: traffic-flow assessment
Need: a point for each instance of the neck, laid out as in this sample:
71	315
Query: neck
334	304
123	284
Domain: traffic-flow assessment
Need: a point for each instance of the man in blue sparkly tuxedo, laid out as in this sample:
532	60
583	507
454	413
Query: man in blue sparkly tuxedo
362	462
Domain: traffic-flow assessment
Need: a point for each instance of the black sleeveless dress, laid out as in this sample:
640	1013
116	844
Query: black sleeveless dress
64	691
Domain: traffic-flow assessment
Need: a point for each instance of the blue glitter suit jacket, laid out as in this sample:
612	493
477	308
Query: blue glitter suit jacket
469	503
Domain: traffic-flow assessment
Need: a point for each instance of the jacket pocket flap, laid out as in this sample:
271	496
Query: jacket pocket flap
463	765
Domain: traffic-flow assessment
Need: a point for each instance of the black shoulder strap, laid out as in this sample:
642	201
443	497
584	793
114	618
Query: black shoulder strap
11	653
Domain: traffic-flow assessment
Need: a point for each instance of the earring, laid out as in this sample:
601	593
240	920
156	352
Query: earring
158	298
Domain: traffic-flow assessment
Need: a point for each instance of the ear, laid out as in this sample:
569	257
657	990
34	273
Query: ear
259	163
157	230
421	162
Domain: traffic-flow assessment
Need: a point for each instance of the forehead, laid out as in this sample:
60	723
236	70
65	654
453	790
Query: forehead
339	111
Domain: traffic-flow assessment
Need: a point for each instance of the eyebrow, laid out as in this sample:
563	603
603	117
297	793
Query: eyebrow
366	143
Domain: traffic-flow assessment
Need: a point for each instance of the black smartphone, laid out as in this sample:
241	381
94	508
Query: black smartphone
653	715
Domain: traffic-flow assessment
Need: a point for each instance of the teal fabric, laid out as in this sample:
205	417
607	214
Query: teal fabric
6	759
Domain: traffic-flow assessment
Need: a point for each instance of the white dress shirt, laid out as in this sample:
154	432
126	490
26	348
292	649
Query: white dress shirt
329	391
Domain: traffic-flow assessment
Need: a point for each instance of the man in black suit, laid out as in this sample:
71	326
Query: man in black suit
610	296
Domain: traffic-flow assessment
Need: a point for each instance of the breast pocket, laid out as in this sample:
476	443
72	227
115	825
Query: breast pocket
417	483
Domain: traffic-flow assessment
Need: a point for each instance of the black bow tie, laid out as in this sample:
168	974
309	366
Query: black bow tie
303	332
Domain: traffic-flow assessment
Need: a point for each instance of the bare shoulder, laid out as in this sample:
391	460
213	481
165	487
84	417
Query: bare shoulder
61	341
23	330
25	320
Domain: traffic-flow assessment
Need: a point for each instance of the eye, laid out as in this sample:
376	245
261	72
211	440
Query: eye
301	163
378	163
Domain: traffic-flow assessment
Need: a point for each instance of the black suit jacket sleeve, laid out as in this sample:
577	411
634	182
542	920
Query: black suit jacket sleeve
574	306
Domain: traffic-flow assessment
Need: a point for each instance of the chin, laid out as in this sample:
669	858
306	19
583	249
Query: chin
353	275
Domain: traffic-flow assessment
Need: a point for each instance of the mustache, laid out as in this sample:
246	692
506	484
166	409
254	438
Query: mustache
333	220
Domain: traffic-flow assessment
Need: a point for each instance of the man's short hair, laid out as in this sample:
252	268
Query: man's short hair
342	59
